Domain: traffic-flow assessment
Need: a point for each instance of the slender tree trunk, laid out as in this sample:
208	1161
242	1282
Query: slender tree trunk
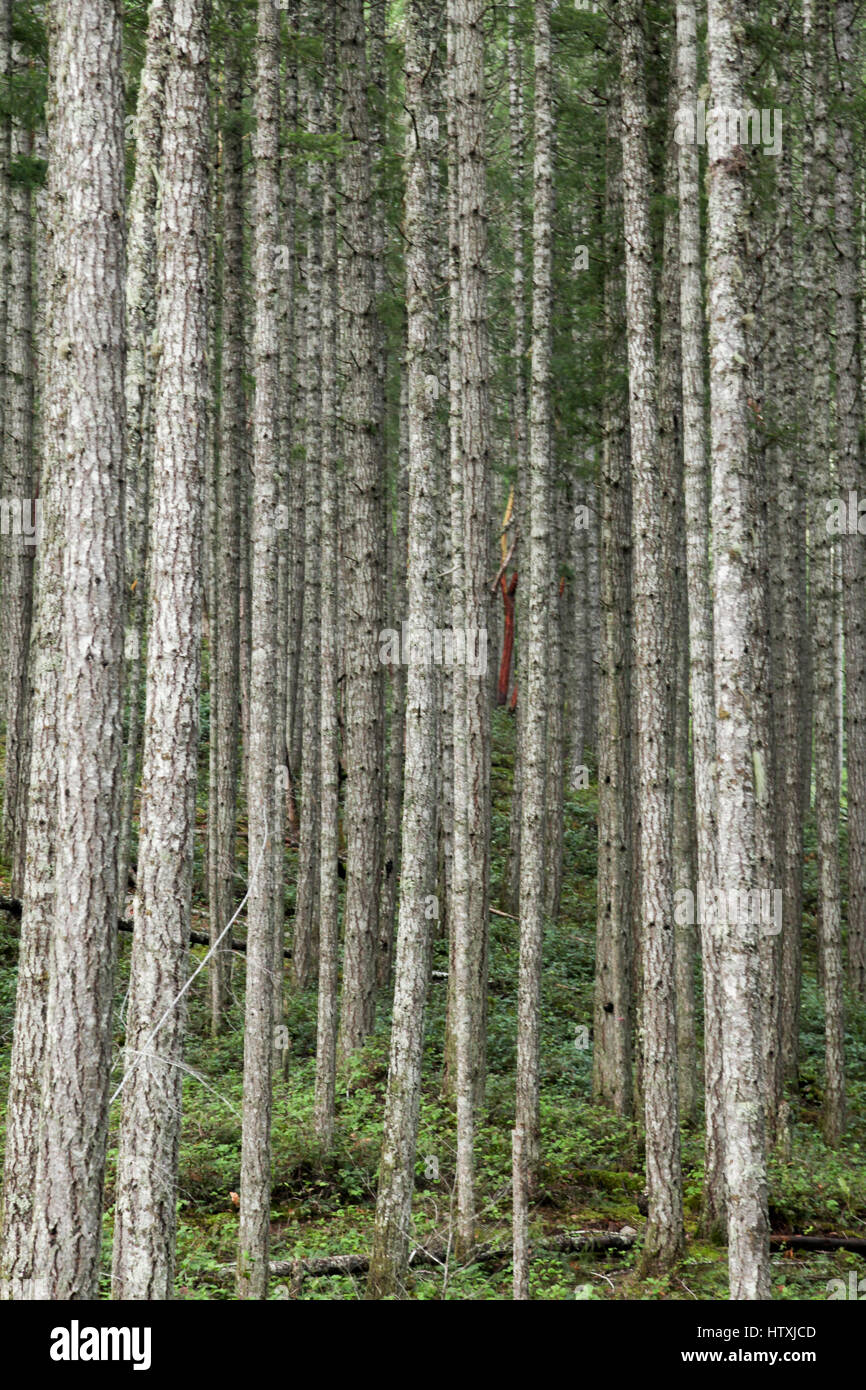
89	366
787	532
612	1030
520	432
535	677
412	965
397	548
29	1045
652	534
263	781
554	813
697	531
18	489
140	316
232	458
304	946
145	1211
5	156
285	425
363	707
579	654
329	737
471	802
823	593
671	458
457	902
851	478
748	1246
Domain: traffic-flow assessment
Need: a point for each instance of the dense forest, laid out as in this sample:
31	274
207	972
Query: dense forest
433	633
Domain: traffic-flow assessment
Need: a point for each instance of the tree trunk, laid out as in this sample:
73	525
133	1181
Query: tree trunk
851	478
748	1247
521	436
232	461
329	737
363	702
418	858
29	1045
612	1028
397	551
146	1202
700	615
471	808
823	594
652	561
535	677
140	316
18	489
304	946
264	784
89	349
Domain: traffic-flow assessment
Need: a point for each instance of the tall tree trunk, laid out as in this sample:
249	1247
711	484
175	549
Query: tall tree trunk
823	592
140	316
329	736
5	155
578	654
459	885
363	702
851	478
232	460
418	859
554	809
18	489
285	425
697	530
304	946
651	537
520	432
89	368
397	544
671	457
471	805
29	1045
145	1212
263	781
612	1028
535	677
788	598
745	1165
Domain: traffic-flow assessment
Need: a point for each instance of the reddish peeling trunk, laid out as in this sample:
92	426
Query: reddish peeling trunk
508	591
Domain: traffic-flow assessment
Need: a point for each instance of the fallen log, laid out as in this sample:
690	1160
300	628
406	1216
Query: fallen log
435	1252
196	938
855	1244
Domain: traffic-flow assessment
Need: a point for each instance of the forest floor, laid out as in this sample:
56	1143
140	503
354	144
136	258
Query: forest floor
592	1168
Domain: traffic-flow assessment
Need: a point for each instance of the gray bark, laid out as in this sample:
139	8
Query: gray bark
651	539
397	1171
225	651
851	477
89	348
263	781
329	738
23	1109
145	1209
17	487
612	1026
140	316
534	680
748	1246
700	610
363	700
